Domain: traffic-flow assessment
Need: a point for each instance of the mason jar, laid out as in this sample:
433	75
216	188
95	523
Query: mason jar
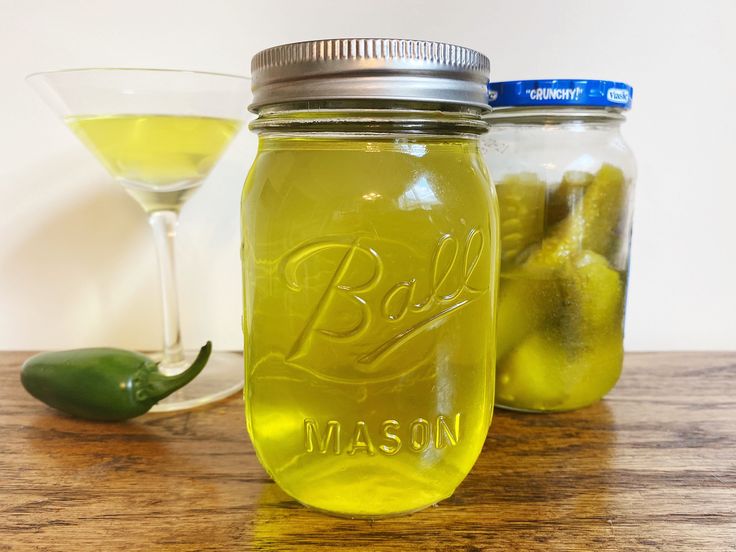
370	254
564	177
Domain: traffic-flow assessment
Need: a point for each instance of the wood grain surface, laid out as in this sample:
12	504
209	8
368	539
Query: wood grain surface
652	467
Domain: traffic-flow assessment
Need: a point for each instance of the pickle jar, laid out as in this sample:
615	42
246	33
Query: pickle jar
370	265
564	177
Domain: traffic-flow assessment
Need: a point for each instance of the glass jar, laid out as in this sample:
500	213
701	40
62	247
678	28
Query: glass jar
564	178
370	254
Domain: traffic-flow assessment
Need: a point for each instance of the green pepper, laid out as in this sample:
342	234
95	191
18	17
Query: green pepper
103	384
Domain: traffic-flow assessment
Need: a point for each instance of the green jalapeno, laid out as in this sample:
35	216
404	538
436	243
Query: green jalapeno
102	383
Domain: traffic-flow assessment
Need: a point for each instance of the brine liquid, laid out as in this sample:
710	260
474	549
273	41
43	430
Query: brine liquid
160	159
369	274
563	288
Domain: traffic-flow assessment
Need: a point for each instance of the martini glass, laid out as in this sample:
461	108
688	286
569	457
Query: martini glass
159	132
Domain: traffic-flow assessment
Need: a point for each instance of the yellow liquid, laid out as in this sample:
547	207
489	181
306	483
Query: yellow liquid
369	284
160	159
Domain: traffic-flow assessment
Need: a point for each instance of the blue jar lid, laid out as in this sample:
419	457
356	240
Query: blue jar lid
562	92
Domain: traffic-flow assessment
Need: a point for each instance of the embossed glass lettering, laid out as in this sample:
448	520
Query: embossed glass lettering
335	286
388	430
361	441
358	269
312	434
445	435
420	434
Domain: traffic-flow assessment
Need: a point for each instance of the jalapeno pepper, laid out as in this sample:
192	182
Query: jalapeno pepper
102	383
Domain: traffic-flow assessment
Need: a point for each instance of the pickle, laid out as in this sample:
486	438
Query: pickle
592	223
521	199
525	299
564	349
560	310
543	373
563	199
603	206
530	293
593	295
530	377
579	293
594	369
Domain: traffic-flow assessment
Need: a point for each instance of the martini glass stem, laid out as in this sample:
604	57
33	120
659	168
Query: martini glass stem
163	224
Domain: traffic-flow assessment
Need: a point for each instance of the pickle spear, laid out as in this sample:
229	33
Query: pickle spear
604	203
563	199
592	223
521	200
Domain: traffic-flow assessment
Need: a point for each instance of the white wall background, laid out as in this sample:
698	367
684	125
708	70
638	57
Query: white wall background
77	265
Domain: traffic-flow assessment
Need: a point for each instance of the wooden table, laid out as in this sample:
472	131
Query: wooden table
651	467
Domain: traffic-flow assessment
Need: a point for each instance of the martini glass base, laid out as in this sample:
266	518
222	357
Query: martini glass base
221	378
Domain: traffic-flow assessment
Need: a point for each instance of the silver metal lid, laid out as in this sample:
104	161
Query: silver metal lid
370	68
